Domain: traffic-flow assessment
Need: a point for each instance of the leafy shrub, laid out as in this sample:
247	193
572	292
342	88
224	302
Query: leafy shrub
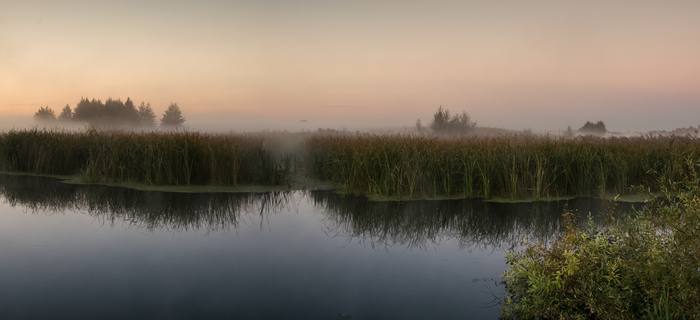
647	266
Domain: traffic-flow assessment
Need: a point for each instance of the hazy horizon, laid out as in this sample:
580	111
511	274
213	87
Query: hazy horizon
250	65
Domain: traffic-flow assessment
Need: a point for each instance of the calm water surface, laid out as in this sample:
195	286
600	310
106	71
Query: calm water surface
93	252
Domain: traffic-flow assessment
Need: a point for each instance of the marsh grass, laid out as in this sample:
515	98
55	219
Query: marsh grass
157	158
507	167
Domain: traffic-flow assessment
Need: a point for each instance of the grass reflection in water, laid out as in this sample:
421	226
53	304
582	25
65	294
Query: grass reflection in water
415	224
476	224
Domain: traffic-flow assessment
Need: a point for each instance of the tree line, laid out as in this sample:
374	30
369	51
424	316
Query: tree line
445	124
113	113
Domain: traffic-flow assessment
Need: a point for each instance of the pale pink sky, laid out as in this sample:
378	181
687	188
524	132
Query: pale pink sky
243	65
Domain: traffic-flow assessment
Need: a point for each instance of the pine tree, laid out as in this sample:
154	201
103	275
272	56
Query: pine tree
172	116
45	114
146	115
66	114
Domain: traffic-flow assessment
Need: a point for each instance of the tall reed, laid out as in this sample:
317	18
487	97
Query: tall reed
159	158
508	167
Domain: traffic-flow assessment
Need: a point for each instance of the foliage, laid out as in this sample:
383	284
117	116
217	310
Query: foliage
160	158
643	267
66	114
443	123
172	116
594	128
147	117
110	113
508	167
45	114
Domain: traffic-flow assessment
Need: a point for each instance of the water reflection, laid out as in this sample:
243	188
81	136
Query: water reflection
149	210
475	224
414	224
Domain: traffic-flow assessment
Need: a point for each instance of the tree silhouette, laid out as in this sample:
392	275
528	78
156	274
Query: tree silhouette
90	111
116	112
45	114
445	124
66	114
172	116
146	115
594	128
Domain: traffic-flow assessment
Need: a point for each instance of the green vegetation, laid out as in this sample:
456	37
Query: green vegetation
647	266
387	166
66	114
172	116
159	158
512	167
113	113
593	128
445	124
146	115
45	114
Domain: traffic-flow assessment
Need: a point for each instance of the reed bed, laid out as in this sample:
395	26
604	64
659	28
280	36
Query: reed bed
508	167
157	158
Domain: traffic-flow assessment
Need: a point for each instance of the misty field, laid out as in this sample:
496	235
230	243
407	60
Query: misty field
399	166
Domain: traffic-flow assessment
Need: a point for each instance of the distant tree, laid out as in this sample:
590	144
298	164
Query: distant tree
569	133
117	112
594	128
45	114
443	123
172	116
90	111
146	115
419	126
66	114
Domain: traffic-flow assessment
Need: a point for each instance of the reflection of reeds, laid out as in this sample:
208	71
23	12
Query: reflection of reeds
143	209
508	167
160	158
412	223
472	223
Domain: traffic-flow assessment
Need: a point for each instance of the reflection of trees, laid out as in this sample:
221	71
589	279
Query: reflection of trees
143	209
472	223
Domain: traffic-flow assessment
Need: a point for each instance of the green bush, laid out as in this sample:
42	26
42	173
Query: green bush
647	266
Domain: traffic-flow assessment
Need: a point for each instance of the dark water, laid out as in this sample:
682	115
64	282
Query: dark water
93	252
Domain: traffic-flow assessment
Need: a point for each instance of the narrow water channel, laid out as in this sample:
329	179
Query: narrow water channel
96	252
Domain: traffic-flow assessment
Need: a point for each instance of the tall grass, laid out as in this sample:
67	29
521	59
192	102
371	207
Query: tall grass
508	167
159	158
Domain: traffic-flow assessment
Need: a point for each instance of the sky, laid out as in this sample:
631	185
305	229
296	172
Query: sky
268	64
